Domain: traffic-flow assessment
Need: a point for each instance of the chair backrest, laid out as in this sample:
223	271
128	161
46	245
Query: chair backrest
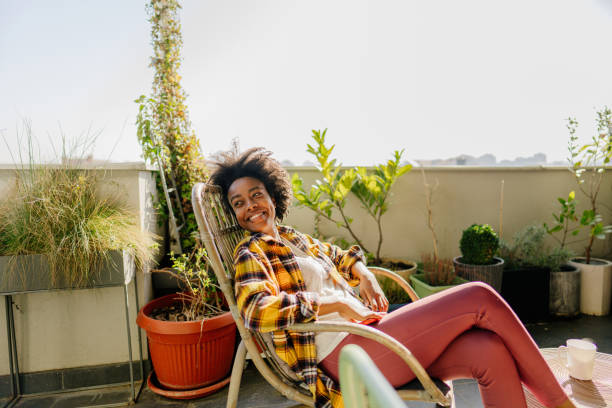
220	233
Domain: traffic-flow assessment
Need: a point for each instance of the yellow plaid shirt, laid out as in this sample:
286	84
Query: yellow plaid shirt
271	295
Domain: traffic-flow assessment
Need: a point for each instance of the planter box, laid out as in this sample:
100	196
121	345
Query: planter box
423	289
527	290
30	273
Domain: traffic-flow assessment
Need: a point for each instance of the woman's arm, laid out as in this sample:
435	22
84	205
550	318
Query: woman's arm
263	306
369	289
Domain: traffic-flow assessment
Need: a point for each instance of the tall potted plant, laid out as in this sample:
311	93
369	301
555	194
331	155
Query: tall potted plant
564	278
588	164
478	245
437	274
328	196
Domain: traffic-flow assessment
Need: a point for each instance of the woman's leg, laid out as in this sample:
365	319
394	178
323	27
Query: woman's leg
482	355
429	326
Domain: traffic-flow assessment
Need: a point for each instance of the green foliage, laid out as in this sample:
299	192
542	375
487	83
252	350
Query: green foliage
58	210
163	125
202	297
330	192
528	249
478	244
564	220
588	163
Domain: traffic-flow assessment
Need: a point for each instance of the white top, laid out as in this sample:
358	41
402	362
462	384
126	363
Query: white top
317	279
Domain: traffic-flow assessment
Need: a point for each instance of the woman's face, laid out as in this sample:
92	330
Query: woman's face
253	206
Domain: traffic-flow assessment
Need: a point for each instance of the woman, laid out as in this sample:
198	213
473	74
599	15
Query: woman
285	277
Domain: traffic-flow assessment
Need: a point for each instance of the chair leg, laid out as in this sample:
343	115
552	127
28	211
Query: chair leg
234	387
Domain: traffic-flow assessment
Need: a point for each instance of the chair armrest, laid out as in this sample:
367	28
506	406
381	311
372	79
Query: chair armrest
382	338
376	270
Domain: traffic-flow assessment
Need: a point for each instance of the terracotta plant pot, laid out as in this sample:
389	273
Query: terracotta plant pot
188	355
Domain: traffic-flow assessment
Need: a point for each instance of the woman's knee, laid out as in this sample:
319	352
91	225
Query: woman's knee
481	292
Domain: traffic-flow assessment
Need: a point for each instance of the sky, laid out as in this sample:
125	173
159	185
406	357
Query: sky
436	78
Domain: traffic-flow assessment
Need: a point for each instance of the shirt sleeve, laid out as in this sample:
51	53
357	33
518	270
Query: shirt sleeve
342	259
263	306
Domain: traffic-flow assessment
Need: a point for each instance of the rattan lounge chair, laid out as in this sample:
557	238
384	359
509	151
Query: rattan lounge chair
220	233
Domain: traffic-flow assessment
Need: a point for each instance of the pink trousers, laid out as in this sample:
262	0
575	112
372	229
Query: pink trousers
465	332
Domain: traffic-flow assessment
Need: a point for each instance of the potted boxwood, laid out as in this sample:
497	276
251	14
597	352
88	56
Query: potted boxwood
191	334
588	164
478	246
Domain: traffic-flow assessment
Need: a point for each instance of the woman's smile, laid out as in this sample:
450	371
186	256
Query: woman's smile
253	206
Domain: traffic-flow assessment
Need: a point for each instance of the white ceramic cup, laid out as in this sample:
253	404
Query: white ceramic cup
580	358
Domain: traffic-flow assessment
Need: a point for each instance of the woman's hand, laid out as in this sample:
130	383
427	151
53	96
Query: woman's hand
331	305
369	289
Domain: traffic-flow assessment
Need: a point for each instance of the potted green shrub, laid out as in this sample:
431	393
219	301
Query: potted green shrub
191	333
478	246
588	164
328	196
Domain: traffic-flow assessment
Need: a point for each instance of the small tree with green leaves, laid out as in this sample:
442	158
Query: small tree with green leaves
372	188
565	221
588	164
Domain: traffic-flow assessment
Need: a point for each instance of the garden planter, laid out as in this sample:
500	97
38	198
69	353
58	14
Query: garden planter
423	289
30	273
491	274
527	291
188	355
565	292
595	285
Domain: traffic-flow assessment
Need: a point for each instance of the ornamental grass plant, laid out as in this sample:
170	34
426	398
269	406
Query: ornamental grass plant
58	210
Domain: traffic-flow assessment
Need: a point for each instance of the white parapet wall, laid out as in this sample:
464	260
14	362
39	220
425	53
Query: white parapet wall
464	195
62	329
65	329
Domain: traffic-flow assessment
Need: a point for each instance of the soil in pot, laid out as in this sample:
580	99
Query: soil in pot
395	294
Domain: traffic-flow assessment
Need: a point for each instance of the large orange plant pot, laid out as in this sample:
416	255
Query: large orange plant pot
188	355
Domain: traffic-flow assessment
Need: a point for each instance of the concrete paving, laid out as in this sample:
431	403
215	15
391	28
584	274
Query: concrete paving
256	393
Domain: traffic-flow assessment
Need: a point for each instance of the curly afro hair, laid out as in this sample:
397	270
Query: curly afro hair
257	163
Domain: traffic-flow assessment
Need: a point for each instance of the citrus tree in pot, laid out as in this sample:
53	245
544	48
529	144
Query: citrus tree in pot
328	196
564	277
588	164
478	245
191	334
